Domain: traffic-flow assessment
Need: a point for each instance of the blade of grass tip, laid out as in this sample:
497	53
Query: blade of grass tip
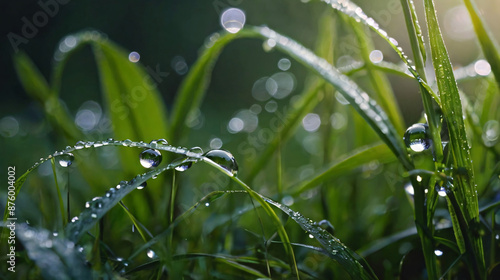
139	226
59	195
275	219
488	44
379	81
345	163
359	100
465	187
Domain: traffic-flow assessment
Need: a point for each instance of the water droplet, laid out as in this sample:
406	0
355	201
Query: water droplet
232	20
196	150
269	45
225	159
79	145
151	254
207	204
142	185
438	253
287	200
134	57
409	189
182	164
215	143
87	204
416	137
74	219
150	158
110	192
284	64
311	236
93	215
376	56
66	160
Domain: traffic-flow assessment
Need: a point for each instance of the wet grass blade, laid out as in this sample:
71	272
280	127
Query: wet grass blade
488	44
56	257
380	84
347	258
359	100
465	187
345	164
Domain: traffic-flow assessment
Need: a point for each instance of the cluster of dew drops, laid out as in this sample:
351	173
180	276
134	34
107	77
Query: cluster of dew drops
417	140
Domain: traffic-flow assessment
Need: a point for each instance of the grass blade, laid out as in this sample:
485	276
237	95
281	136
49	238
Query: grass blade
358	99
59	195
194	86
488	44
56	257
346	163
380	83
465	187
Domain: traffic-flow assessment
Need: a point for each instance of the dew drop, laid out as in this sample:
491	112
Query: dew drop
438	253
93	215
225	159
142	186
74	219
416	137
79	145
232	20
182	164
207	204
134	57
311	236
151	254
66	160
150	158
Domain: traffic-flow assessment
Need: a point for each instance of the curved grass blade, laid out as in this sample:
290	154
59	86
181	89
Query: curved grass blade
352	10
194	86
488	44
56	257
360	101
379	81
346	163
465	186
307	101
347	258
334	247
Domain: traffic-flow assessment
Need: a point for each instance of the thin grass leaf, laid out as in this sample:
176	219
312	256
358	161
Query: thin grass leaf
333	246
465	187
358	99
381	86
488	44
347	258
59	195
194	86
140	227
37	87
352	10
56	257
345	164
307	101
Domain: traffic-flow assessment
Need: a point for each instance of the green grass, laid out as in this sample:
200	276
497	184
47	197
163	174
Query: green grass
200	218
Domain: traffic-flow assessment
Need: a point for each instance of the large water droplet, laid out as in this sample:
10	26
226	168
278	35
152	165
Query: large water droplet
66	160
134	57
150	158
232	20
225	159
417	137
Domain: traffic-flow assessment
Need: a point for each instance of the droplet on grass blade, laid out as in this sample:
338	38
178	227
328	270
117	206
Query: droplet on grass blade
233	20
150	158
224	159
417	137
66	160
